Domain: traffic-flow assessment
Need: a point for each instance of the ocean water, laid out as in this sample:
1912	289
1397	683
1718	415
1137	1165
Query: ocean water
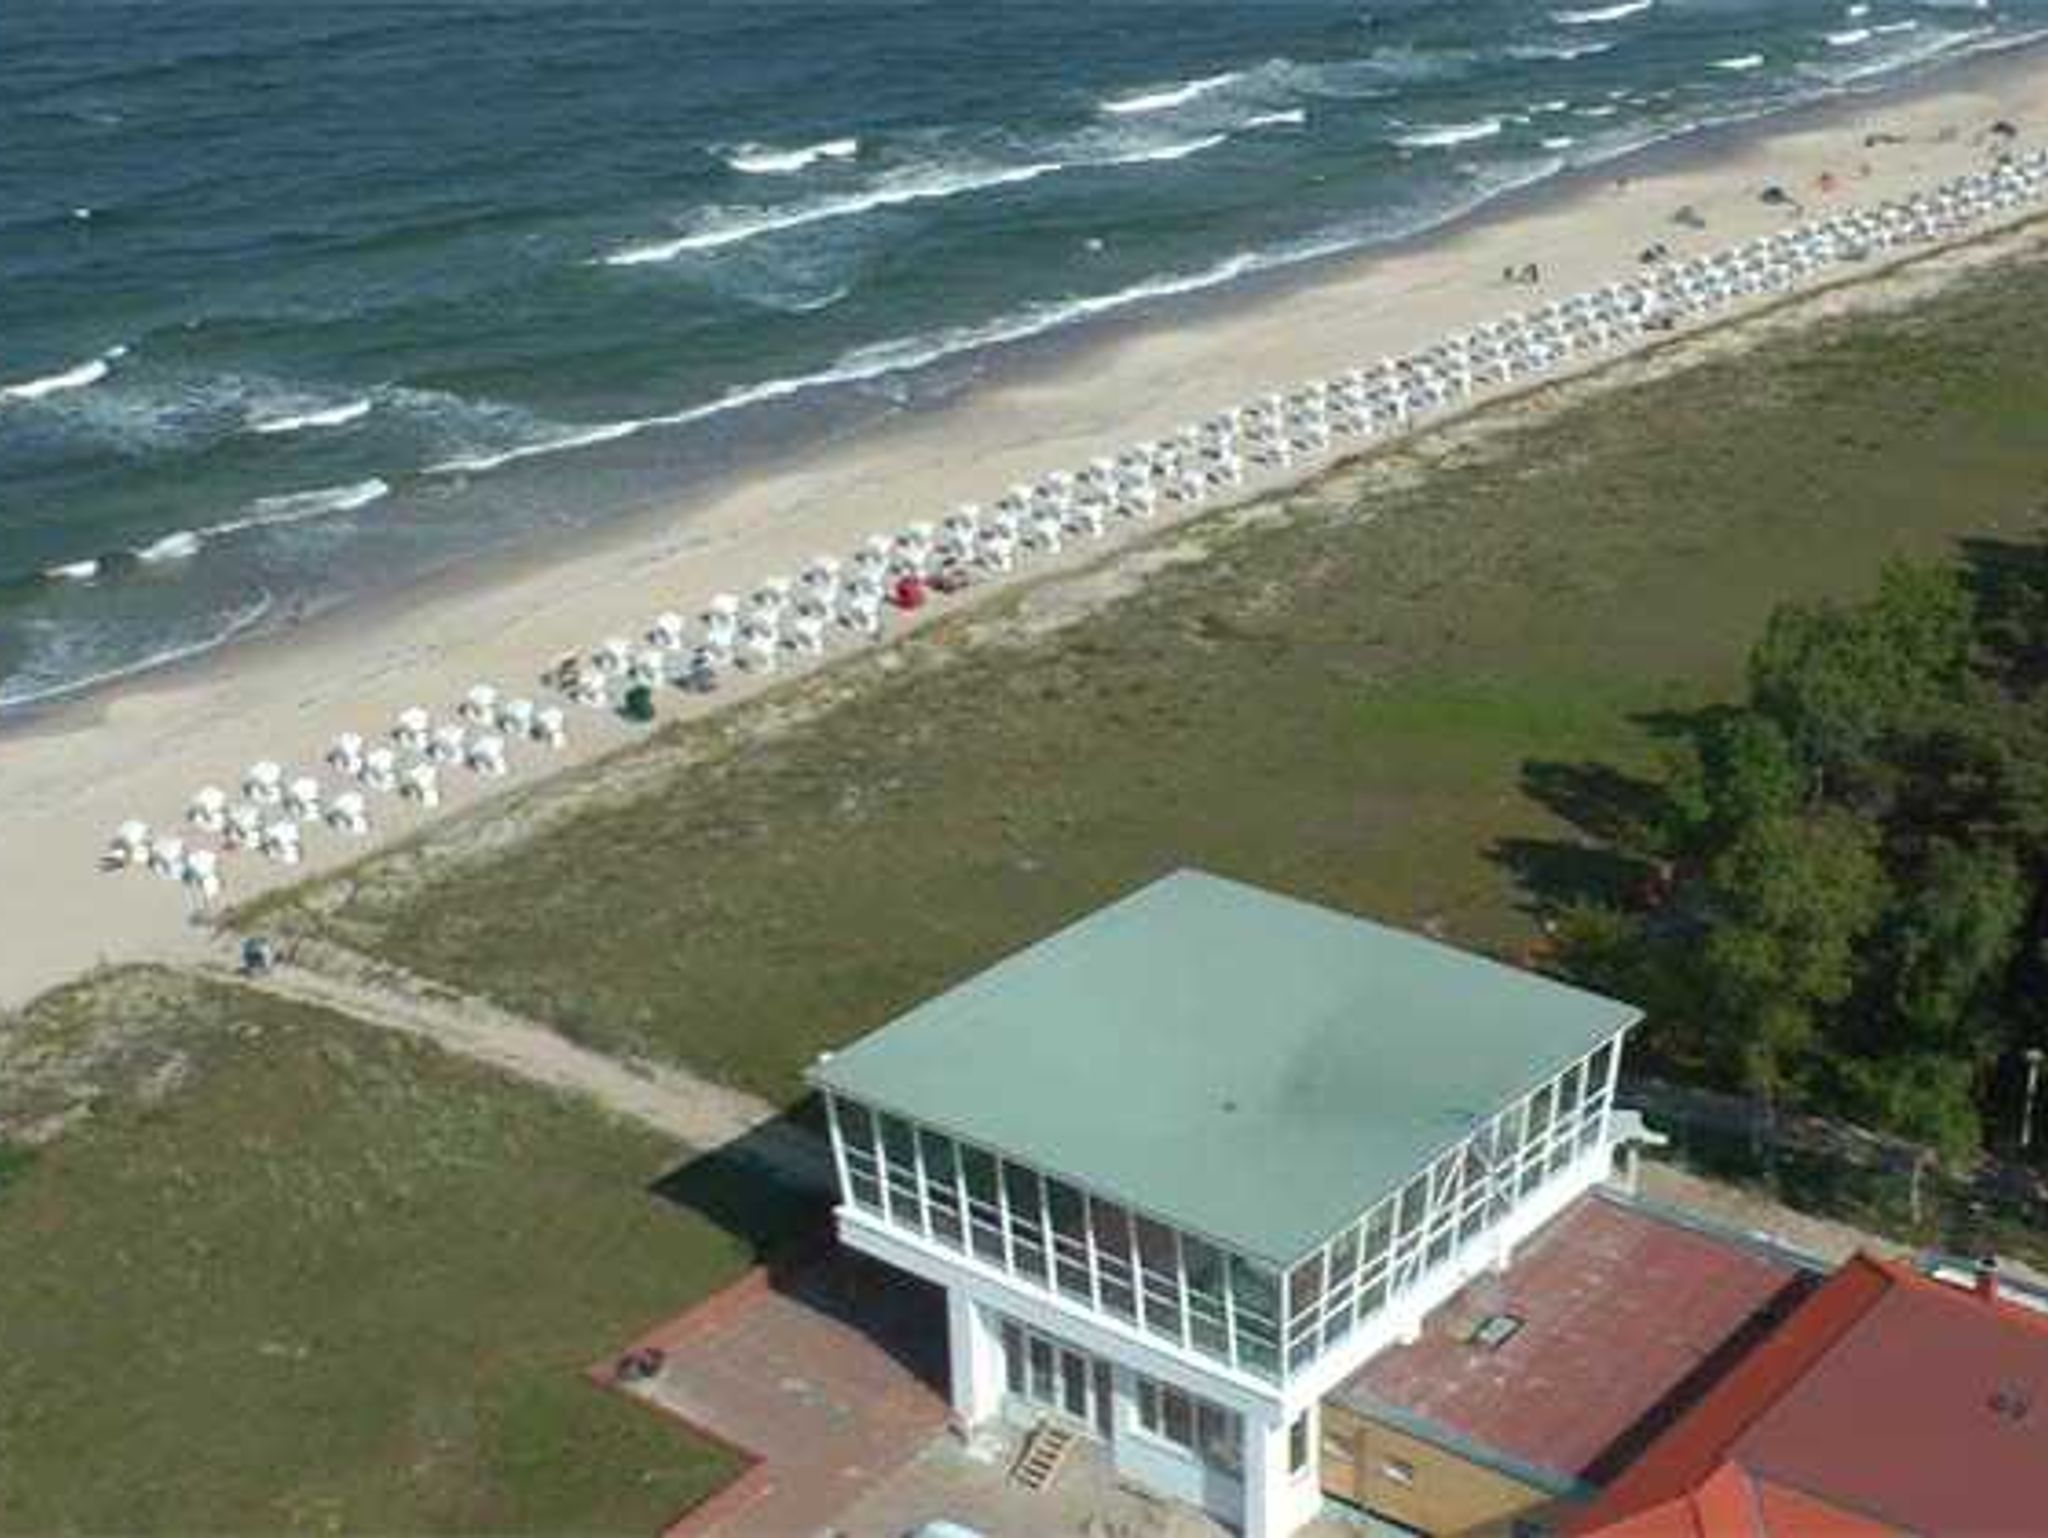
300	300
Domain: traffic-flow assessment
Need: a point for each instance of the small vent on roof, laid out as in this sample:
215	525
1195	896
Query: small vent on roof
2011	1403
1494	1331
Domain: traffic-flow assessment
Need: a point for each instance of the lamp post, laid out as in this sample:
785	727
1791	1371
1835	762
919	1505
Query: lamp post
2033	1056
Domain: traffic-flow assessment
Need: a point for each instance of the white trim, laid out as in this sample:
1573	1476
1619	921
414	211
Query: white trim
1107	1336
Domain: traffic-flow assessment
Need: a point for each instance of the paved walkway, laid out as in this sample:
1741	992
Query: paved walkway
831	1378
693	1110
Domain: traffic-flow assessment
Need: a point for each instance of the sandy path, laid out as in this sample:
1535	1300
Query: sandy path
678	1104
67	780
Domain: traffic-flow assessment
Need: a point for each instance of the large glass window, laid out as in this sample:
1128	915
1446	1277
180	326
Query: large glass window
1159	1258
1068	1211
1208	1328
984	1217
1112	1228
1255	1313
1206	1431
942	1188
1055	1235
899	1172
1027	1220
857	1143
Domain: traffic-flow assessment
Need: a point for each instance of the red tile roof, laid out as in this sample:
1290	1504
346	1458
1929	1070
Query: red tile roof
1626	1316
1887	1403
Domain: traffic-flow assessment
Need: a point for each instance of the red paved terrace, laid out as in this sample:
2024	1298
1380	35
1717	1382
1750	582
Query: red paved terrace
1887	1403
825	1374
1626	1316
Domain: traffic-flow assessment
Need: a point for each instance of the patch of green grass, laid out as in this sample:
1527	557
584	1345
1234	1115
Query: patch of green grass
319	1278
13	1163
1380	703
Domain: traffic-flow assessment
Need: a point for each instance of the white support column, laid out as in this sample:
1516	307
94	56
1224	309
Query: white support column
975	1351
1278	1500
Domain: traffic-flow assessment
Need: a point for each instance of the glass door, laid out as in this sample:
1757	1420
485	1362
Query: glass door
1058	1379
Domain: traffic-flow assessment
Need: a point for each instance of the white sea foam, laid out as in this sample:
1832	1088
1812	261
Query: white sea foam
1169	98
589	437
1179	151
1886	28
1444	135
1910	49
91	372
1598	14
1741	62
298	506
1848	38
899	356
74	571
915	187
180	546
233	625
1292	118
326	416
762	160
1606	109
1559	142
1562	52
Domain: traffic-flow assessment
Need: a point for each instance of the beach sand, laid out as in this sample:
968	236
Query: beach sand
71	774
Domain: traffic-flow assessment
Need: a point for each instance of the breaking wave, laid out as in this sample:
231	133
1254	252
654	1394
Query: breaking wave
235	623
299	506
1563	53
1601	13
327	416
927	187
761	160
1294	117
91	372
1447	134
1741	62
903	355
1174	96
181	545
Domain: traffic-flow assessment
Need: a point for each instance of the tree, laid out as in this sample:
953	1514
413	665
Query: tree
1792	896
1835	680
1742	769
1955	931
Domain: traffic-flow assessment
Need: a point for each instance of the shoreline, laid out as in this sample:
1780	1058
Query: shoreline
782	437
68	774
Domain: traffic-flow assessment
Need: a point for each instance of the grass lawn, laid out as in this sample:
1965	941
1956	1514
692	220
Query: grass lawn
1387	700
290	1274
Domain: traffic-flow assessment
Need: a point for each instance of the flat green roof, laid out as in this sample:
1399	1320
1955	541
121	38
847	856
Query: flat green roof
1247	1066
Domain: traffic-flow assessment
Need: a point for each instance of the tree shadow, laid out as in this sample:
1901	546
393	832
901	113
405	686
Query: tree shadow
1618	816
1555	874
2008	582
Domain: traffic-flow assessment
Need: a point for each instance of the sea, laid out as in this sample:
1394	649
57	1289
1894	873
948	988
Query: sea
300	302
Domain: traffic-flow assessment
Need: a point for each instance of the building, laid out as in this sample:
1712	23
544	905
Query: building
1887	1403
1529	1390
1183	1167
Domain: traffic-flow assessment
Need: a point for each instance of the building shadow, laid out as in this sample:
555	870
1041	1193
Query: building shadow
1608	1464
772	1190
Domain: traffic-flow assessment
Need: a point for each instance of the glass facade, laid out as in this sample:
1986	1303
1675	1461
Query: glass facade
1062	1240
1200	1429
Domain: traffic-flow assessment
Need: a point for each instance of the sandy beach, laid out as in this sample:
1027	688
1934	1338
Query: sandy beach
70	774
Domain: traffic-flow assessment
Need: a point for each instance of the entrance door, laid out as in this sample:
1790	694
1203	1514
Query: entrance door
1074	1386
1059	1379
